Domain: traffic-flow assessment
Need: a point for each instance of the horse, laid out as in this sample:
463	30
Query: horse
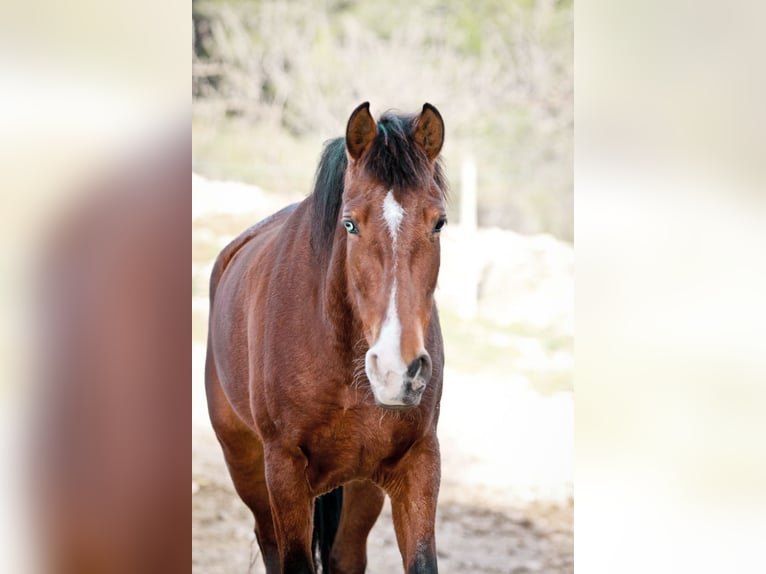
325	354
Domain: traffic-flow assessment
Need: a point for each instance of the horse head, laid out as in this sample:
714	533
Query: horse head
393	210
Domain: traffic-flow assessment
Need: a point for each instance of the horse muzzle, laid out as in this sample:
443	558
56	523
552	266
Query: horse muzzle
397	388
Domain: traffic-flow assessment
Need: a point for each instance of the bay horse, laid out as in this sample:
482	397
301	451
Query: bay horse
325	355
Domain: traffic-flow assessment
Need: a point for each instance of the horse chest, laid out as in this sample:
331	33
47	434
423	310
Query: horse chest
351	446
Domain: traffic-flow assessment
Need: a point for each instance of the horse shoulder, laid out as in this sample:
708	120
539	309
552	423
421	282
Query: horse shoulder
235	245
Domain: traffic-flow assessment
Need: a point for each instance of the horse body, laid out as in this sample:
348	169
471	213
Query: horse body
290	358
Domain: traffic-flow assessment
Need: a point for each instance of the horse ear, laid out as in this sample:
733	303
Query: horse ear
360	131
429	131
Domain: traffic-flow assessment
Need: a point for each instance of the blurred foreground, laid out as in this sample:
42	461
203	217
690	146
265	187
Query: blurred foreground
94	401
108	417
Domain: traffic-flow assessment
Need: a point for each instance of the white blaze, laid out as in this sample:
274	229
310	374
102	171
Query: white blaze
387	376
388	346
393	213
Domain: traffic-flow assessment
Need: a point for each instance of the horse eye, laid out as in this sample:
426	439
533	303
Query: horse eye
439	224
350	226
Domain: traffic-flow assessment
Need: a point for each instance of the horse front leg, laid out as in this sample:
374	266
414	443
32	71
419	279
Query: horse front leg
414	489
362	503
292	508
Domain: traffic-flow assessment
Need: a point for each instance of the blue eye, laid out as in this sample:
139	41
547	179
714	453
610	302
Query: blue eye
351	226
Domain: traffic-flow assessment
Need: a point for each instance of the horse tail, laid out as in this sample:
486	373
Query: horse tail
327	509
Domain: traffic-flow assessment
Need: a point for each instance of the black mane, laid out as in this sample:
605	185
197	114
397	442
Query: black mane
393	158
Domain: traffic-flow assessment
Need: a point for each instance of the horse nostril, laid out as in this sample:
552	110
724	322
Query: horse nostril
374	362
414	367
420	365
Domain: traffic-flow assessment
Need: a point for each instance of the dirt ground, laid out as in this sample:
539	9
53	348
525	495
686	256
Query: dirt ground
506	500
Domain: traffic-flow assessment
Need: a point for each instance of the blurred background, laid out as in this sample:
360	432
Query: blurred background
272	81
